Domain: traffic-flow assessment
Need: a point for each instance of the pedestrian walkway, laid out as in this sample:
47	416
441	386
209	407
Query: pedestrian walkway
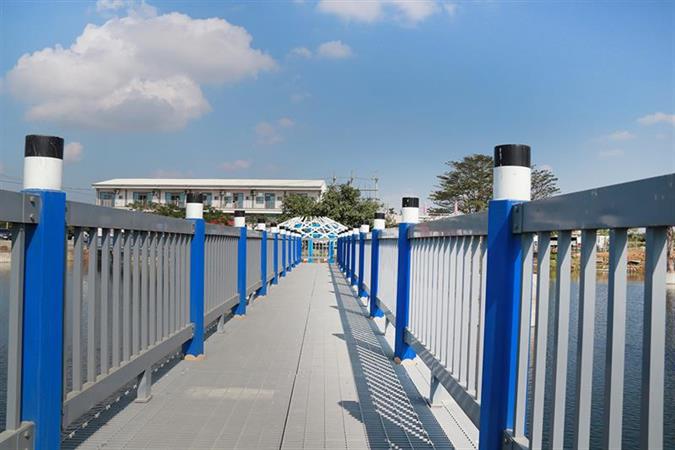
305	369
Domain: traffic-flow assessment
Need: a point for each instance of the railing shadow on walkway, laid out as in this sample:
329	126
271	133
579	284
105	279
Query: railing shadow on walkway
384	406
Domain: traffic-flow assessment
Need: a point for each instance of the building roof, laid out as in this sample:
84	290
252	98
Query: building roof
209	183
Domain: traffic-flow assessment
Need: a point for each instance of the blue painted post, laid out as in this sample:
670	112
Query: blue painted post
240	222
283	251
275	233
194	210
43	307
410	217
331	252
263	258
339	252
348	249
310	250
502	302
378	226
299	254
363	232
289	243
352	270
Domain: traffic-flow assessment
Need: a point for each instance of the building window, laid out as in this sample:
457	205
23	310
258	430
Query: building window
227	200
142	197
208	198
106	198
175	198
259	199
270	201
239	200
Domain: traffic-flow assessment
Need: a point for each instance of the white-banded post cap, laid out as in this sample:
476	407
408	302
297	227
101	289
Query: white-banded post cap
274	228
194	206
364	229
512	174
261	225
239	218
378	221
43	162
410	209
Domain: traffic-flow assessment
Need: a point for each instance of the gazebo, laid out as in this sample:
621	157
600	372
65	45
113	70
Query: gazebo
319	235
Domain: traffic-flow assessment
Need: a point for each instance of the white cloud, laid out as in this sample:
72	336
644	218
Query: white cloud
135	72
72	152
132	7
611	153
450	8
619	136
302	52
406	11
233	166
334	50
270	133
659	117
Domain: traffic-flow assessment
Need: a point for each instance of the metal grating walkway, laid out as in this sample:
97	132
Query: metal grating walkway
303	370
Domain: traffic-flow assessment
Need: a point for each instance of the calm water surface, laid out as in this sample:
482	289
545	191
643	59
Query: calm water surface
633	370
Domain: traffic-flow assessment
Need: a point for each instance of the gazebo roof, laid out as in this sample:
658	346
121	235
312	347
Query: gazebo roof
315	228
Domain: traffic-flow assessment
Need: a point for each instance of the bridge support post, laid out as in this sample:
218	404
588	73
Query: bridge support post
354	281
263	258
194	210
502	301
410	217
43	302
283	238
378	226
331	252
240	222
363	231
275	263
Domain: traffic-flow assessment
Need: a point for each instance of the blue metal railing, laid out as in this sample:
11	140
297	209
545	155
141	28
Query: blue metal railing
469	297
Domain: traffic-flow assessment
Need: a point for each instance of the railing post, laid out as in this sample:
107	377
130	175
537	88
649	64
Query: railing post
263	257
240	222
331	252
352	270
284	265
363	231
275	233
310	250
502	302
378	226
43	302
410	217
194	210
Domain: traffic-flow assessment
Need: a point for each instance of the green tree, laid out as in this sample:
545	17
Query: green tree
344	204
295	205
468	183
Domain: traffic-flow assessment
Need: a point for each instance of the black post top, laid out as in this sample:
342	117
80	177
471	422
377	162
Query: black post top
411	202
260	220
379	215
239	213
195	198
45	146
512	155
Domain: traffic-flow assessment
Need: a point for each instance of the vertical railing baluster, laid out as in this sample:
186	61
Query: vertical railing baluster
540	339
585	337
523	335
116	297
91	304
616	339
126	298
76	343
481	341
152	291
15	327
105	300
653	339
136	297
145	282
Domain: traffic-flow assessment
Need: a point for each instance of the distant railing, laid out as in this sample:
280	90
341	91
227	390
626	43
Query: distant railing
129	302
435	284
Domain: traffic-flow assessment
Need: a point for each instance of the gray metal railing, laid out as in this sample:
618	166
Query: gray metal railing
17	209
220	271
648	204
128	293
253	255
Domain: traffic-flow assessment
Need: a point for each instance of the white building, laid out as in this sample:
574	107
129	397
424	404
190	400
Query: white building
256	196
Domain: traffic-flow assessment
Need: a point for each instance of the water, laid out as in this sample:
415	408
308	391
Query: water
633	370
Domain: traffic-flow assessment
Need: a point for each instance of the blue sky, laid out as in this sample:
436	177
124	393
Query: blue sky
307	89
